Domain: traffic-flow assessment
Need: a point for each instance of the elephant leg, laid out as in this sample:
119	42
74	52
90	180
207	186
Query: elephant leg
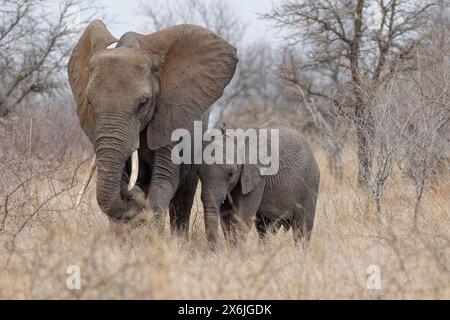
164	184
226	213
225	222
265	225
303	221
262	224
181	205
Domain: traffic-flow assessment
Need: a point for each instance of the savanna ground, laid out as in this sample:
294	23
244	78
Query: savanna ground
43	234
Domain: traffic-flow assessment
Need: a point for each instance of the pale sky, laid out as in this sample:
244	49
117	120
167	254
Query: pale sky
124	14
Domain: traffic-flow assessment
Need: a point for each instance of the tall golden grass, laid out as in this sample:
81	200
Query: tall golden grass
44	234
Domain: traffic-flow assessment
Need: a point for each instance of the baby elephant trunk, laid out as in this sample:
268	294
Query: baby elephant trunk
211	208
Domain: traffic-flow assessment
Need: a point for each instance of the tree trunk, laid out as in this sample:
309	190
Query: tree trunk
3	109
364	128
364	157
361	108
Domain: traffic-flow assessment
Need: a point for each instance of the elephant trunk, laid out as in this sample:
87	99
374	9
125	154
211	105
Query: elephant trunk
115	142
211	210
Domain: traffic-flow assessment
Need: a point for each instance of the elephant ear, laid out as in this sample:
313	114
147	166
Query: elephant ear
250	178
196	67
94	38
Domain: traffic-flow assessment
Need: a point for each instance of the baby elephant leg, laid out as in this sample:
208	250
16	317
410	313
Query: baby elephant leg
303	221
265	225
181	205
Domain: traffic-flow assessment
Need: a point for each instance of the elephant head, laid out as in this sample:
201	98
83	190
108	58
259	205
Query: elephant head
148	83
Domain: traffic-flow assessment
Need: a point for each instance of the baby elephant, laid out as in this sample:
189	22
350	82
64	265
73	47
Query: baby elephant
242	193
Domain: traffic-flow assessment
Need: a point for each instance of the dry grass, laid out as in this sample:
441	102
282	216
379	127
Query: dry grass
43	237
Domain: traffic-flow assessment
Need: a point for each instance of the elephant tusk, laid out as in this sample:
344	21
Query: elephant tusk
230	199
92	167
134	170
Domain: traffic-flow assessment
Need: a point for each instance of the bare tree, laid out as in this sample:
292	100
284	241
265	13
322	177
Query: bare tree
254	89
332	145
351	48
219	16
256	93
411	117
426	149
391	120
36	37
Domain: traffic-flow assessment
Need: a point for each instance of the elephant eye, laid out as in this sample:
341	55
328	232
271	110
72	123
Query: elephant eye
144	102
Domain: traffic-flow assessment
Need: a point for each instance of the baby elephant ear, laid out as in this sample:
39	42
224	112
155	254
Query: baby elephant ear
94	38
197	66
250	178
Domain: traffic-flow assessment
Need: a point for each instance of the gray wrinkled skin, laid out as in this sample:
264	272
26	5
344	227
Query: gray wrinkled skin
287	198
132	97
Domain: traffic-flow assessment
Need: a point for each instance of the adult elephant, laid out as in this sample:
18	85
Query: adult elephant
129	100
